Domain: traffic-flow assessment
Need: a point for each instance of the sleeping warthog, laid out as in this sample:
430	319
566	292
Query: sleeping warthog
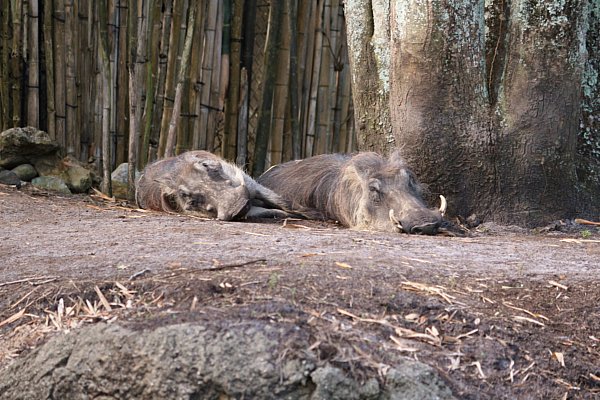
361	191
201	183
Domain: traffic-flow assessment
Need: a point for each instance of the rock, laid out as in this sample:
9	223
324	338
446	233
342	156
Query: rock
26	172
120	174
9	178
119	180
22	145
79	179
208	360
52	183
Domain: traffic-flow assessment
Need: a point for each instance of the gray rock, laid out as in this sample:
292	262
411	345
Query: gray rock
9	178
120	174
79	179
207	360
51	183
26	172
21	145
412	380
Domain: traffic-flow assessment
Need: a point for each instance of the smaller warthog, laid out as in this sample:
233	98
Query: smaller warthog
202	184
363	191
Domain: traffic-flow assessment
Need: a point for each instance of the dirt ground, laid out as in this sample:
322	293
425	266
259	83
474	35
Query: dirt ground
501	313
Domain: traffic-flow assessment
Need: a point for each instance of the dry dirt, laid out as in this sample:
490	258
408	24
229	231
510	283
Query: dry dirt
501	313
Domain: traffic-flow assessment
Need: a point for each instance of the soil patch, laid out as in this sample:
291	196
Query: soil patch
502	313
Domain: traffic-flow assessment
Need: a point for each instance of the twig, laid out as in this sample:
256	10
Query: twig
139	273
231	266
102	298
28	280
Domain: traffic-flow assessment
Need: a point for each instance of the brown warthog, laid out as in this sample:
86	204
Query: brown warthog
362	191
202	184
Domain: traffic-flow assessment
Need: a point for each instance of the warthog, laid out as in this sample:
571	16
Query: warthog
362	191
202	184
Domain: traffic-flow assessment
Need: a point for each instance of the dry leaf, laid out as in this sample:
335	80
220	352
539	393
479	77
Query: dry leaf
343	265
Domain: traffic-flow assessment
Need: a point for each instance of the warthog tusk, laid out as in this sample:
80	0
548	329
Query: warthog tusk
443	205
395	220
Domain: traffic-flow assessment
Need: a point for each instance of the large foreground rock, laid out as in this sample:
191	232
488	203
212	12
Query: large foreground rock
226	360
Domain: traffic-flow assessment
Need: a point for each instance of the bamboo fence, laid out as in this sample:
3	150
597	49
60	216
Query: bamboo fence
115	81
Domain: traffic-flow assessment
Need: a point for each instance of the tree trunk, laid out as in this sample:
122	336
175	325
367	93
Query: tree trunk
369	55
484	106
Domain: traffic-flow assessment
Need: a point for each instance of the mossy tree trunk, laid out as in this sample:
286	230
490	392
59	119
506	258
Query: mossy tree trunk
484	104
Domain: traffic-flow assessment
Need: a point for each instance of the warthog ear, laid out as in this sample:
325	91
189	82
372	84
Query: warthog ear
208	165
167	186
396	159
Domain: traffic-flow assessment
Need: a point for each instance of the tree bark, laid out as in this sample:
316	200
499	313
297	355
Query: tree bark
486	111
369	55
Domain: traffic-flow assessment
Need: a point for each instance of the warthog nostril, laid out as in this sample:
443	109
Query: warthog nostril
425	229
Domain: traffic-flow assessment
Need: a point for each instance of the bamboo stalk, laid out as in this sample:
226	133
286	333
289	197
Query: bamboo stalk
154	30
171	73
162	75
296	138
181	142
136	69
16	61
324	100
49	57
311	130
119	46
308	32
201	138
341	88
195	73
59	68
106	87
86	64
233	99
242	140
4	65
33	84
215	115
270	67
183	71
280	95
72	133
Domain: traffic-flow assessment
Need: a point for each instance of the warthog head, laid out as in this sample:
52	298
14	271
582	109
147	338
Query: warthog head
196	183
205	188
387	196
